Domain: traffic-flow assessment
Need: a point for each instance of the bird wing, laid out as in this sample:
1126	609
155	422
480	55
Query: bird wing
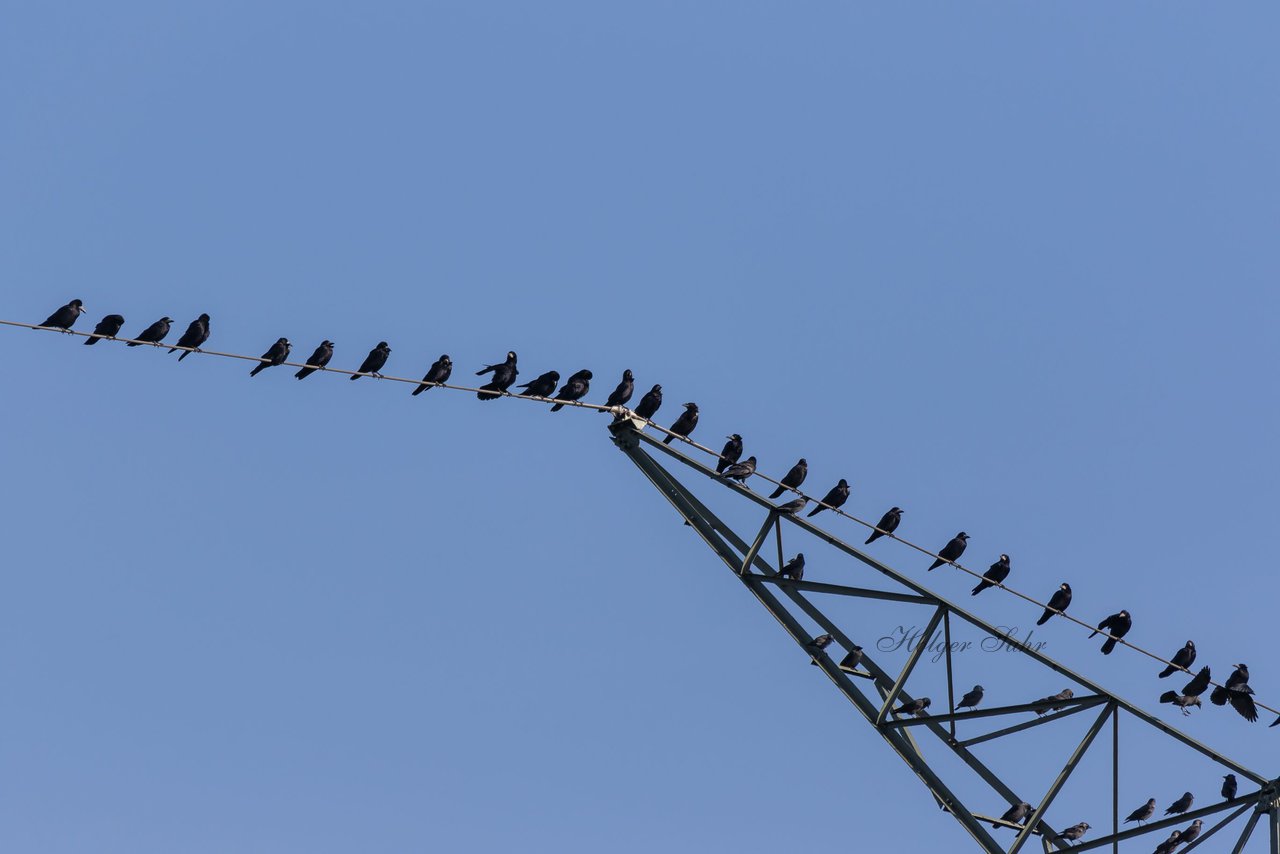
1198	683
1243	703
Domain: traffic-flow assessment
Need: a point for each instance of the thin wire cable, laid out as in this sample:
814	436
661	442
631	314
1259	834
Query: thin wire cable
619	410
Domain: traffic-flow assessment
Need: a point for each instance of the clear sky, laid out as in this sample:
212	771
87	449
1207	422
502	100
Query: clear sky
1011	267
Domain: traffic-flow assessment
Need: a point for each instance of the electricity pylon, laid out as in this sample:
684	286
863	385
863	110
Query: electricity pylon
786	600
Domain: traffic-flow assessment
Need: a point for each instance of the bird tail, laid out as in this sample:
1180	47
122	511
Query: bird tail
1109	645
875	535
1094	632
1277	721
936	564
1168	696
262	366
1168	671
1044	618
420	389
777	492
303	373
173	349
134	343
355	377
92	339
487	393
982	585
557	407
668	440
185	354
815	511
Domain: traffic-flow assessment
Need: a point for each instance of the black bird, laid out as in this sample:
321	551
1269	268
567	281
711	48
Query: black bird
997	573
1064	694
740	471
887	525
374	361
1198	683
793	478
275	355
154	333
65	317
836	498
1229	786
1117	625
852	660
1192	831
543	386
108	327
793	568
439	372
1276	722
1238	693
1181	805
951	551
684	424
1142	813
197	333
1014	814
1169	845
730	454
971	699
1183	701
1182	660
915	707
621	395
577	387
821	642
1075	831
1057	604
504	374
318	360
650	403
792	507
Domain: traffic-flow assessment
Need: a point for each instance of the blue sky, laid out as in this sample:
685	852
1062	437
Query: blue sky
1011	268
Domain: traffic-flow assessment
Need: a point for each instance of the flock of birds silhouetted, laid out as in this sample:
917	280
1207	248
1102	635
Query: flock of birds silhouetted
502	376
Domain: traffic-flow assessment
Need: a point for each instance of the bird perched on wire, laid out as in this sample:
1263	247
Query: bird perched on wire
1169	845
1192	831
621	395
1058	603
439	372
197	333
1064	694
504	374
684	424
793	478
317	361
1238	693
914	707
996	574
543	385
853	659
108	327
1229	786
1073	833
1181	805
1117	625
834	499
650	403
65	317
971	699
1142	813
1014	815
730	453
794	568
275	355
887	525
374	361
792	507
951	551
153	334
1182	660
575	388
740	471
821	642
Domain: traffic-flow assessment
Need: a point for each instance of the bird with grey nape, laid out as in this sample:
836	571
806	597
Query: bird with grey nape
793	478
439	372
1192	831
1073	833
650	403
575	388
794	568
108	327
887	525
1117	626
317	361
740	471
1169	845
1182	660
1058	603
792	507
1014	815
504	374
1186	702
730	454
65	317
1142	813
543	385
621	395
951	551
1064	694
1181	805
914	707
821	642
971	699
996	574
683	425
197	333
852	660
374	361
834	499
275	355
153	334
